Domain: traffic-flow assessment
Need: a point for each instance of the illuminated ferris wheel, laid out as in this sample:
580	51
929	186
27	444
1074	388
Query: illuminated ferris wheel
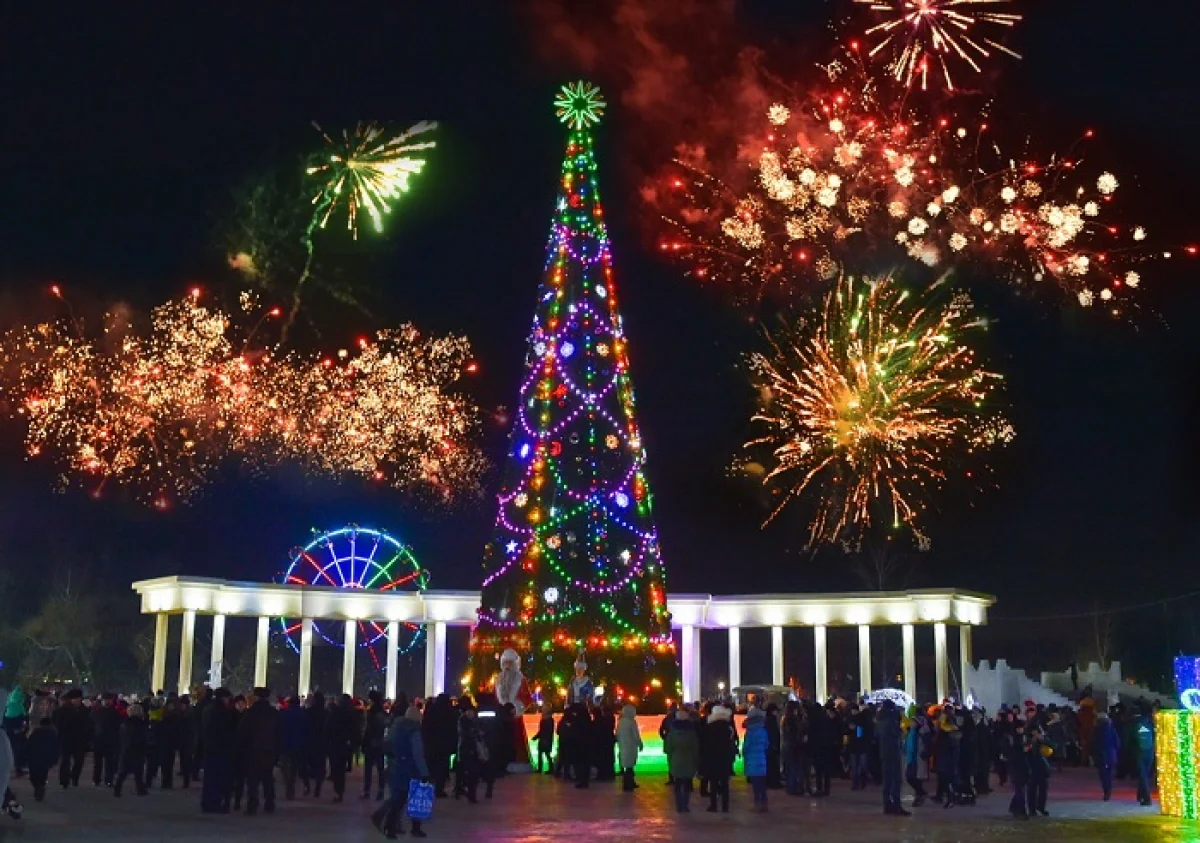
356	557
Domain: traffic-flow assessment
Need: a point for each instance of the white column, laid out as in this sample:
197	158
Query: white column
158	672
305	677
691	664
910	660
393	658
187	640
735	657
217	653
261	643
965	658
939	658
349	650
821	686
777	655
864	658
435	658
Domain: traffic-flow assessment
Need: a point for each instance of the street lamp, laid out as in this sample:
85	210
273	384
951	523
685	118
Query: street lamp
721	687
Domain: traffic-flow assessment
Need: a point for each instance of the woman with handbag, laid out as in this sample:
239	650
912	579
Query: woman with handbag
408	763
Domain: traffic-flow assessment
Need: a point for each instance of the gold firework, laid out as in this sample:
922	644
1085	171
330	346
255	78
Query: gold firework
916	34
867	410
159	411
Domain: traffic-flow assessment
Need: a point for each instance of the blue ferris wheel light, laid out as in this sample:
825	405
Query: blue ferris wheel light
356	557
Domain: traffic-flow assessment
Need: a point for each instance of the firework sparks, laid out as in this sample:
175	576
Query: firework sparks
366	170
916	36
159	411
844	183
871	407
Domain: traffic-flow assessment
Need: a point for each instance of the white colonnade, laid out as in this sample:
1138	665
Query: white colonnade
439	610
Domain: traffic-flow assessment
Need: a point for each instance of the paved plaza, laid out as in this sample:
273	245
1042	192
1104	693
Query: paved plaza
532	808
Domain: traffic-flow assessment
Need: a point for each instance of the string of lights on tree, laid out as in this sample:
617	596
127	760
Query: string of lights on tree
574	564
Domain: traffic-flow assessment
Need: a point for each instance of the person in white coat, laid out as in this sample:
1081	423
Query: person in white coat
629	744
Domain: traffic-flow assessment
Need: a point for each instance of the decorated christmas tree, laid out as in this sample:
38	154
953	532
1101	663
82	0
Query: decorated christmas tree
574	565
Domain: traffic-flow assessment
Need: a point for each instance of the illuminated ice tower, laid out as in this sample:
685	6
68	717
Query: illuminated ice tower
574	565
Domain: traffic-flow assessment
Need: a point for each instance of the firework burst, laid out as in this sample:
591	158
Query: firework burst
915	36
843	183
366	170
159	411
869	409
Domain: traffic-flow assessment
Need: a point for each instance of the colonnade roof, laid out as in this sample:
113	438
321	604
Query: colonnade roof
457	608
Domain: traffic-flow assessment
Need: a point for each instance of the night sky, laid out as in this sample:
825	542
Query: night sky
124	130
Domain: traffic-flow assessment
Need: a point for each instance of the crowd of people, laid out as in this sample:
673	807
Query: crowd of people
231	746
950	749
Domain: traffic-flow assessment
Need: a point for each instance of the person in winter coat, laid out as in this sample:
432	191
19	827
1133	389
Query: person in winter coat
41	752
439	732
8	764
374	727
825	739
629	744
580	743
15	724
134	744
1038	756
74	735
984	752
754	755
1016	760
860	734
717	755
1087	728
1144	731
664	729
947	740
220	733
173	737
774	748
339	736
258	742
202	698
1106	748
793	739
604	744
106	740
472	752
917	746
545	739
565	759
408	763
315	740
682	746
293	747
891	741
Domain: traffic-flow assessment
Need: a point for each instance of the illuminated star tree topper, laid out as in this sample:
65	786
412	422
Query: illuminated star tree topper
579	104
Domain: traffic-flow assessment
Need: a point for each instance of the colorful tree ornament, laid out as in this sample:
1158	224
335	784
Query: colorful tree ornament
356	557
574	563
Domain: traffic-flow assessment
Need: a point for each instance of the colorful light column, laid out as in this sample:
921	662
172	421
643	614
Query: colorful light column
574	564
1177	745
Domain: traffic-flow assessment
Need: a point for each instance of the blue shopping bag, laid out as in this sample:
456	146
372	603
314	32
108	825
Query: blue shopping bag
420	801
